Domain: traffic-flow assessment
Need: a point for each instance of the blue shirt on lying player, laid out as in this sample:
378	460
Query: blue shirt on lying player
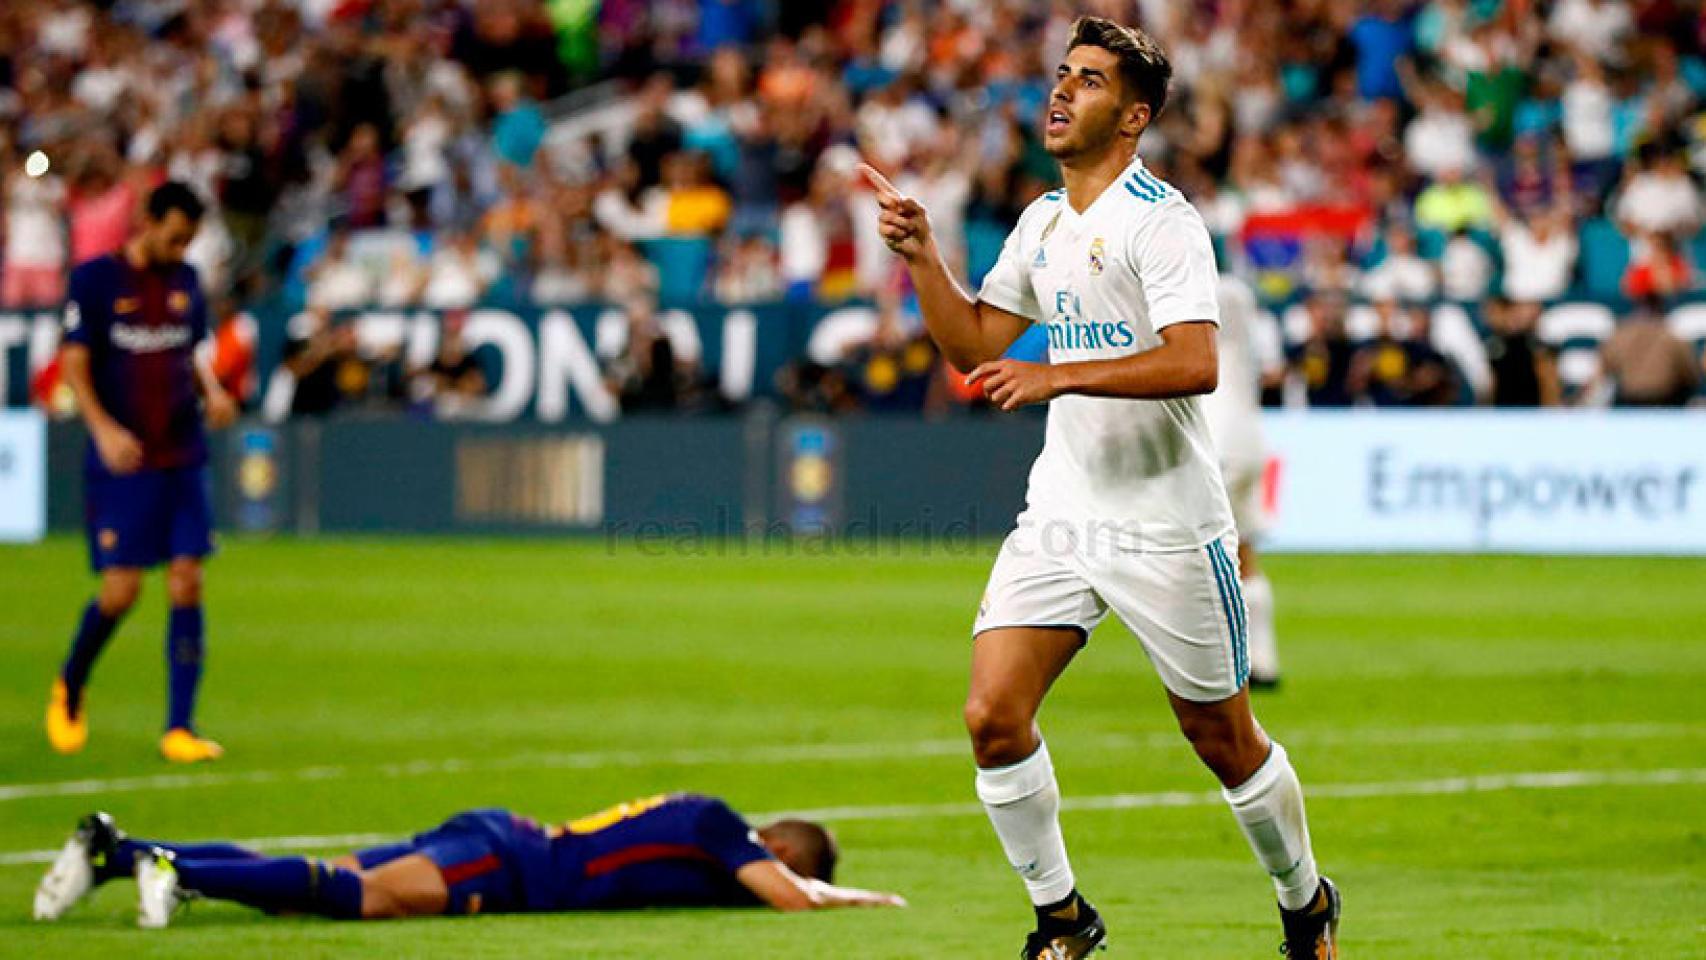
671	850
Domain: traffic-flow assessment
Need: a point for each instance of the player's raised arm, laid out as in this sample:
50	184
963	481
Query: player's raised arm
779	887
967	330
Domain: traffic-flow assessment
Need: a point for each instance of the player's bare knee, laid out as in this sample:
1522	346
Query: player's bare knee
119	593
1000	734
183	583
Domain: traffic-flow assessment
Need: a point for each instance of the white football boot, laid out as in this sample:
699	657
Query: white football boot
72	875
157	890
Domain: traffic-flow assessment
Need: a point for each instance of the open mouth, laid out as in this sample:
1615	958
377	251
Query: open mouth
1057	121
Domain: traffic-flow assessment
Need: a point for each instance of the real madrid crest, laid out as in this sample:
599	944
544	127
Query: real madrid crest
1098	250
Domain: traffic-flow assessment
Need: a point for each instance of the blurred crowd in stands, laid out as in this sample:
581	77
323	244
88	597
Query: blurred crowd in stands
1354	159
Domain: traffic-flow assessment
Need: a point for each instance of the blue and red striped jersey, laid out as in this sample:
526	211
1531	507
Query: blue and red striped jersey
142	328
669	850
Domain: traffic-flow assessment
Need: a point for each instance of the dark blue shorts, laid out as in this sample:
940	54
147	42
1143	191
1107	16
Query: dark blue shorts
146	518
475	865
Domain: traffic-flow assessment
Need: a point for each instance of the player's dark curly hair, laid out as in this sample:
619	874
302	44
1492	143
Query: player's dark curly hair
1144	68
173	195
814	847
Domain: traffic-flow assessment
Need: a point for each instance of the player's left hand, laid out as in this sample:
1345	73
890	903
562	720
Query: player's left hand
1011	384
219	409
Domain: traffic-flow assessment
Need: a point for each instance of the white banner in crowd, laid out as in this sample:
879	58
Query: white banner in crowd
23	475
1485	481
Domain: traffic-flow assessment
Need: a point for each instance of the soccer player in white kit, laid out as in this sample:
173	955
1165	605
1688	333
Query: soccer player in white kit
1125	510
1234	412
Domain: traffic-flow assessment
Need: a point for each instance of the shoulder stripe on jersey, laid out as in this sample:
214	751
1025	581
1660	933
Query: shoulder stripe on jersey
1145	193
1053	195
1155	182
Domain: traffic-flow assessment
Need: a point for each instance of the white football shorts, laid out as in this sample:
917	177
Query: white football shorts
1185	607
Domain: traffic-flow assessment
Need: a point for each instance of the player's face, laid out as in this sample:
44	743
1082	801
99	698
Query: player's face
1087	108
169	237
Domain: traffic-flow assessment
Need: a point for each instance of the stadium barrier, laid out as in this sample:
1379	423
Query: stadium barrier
1610	482
1355	481
544	362
23	475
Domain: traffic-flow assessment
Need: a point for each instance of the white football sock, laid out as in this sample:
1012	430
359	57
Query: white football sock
1269	808
1023	802
1264	647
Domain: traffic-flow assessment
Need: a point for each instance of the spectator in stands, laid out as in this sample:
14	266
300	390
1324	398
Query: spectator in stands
33	274
1529	180
1658	270
893	370
1453	203
1590	133
338	281
1594	27
627	274
518	127
1646	364
454	383
1524	368
360	179
1400	367
1659	196
644	377
1465	269
1382	40
234	336
748	271
1539	252
321	356
1323	361
693	204
654	135
102	204
1401	274
1441	139
459	273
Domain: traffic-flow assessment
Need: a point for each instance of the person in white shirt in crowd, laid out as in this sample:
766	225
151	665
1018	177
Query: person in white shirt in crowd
459	273
1659	197
1401	274
1441	137
1465	269
1589	130
1595	27
339	281
1539	251
33	274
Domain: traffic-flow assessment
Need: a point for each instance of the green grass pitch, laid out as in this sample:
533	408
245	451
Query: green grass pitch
374	686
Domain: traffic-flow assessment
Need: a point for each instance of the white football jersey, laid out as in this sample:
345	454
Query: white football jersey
1234	409
1139	474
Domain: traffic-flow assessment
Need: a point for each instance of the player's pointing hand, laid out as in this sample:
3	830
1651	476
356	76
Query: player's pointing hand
902	221
1011	384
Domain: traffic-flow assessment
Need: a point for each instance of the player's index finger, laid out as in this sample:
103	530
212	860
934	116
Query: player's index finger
877	180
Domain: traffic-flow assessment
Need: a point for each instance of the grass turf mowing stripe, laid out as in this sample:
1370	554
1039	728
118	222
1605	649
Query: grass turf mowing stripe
819	752
1443	786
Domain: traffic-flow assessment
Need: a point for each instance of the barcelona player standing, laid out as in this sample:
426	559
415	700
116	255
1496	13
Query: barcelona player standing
133	322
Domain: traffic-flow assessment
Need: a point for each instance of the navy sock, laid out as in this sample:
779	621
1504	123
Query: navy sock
183	662
93	632
279	885
123	861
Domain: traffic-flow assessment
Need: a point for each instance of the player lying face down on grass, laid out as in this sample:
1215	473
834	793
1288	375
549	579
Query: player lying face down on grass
672	850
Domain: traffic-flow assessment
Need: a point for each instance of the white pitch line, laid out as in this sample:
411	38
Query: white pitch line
1444	786
818	753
